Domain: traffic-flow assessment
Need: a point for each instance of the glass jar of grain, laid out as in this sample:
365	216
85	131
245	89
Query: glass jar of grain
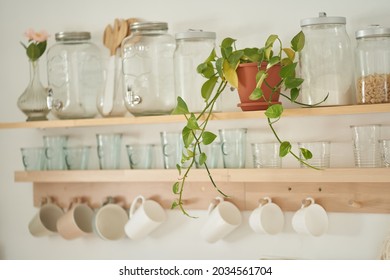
373	65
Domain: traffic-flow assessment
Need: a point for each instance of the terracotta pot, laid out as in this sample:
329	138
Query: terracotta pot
247	82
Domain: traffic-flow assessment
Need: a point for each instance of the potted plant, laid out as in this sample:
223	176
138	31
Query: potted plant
226	70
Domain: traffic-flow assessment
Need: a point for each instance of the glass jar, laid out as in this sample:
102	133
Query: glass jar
326	62
192	48
147	56
372	58
75	76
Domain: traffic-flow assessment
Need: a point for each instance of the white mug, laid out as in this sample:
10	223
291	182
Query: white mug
109	221
45	221
76	222
310	219
144	218
267	218
223	218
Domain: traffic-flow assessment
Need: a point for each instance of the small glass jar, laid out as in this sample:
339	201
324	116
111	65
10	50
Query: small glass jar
192	48
147	56
326	62
75	76
372	58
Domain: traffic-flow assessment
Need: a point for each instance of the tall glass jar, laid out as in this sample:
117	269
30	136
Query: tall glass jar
372	58
148	69
192	48
326	62
75	75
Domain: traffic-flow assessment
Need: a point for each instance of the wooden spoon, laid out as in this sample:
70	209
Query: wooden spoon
108	38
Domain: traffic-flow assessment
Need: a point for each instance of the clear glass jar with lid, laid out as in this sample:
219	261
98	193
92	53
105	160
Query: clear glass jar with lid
147	56
326	62
75	75
192	48
372	59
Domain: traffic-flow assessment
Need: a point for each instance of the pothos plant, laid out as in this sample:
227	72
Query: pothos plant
220	72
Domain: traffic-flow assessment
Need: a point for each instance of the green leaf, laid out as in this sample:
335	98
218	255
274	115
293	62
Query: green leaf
288	71
284	149
256	94
188	136
178	167
260	77
202	158
208	88
227	42
33	52
252	55
42	47
192	123
234	58
298	42
290	53
306	153
230	74
290	82
271	40
174	205
208	137
175	188
274	111
181	107
219	66
294	93
211	56
274	60
206	69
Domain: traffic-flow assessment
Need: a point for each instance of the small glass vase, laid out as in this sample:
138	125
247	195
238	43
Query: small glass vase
33	101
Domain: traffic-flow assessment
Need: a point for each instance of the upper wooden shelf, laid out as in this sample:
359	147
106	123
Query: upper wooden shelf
292	112
282	175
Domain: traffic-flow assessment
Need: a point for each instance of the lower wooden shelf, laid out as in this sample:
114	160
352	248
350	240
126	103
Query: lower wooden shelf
360	190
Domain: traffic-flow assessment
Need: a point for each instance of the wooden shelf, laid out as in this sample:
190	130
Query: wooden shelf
293	112
362	190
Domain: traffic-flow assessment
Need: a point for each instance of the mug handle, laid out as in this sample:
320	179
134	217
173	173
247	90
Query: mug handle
133	207
265	200
307	202
214	204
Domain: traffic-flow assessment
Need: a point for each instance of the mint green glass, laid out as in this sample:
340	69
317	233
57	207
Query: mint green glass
54	153
140	155
33	158
109	150
77	158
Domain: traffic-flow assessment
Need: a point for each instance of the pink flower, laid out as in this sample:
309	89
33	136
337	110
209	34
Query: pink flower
36	36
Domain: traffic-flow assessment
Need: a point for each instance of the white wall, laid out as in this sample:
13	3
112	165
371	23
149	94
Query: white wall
350	236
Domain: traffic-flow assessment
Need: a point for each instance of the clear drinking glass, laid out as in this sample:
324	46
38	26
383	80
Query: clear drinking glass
266	155
384	146
77	158
320	153
233	145
140	155
172	147
109	150
33	158
365	145
213	152
54	151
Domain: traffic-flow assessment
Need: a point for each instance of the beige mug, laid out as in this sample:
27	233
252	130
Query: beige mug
45	221
109	221
76	222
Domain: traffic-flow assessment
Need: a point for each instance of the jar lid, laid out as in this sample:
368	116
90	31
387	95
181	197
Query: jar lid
373	31
323	19
72	36
149	25
195	34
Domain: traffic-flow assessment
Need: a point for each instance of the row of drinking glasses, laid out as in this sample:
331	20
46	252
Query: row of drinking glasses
369	151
